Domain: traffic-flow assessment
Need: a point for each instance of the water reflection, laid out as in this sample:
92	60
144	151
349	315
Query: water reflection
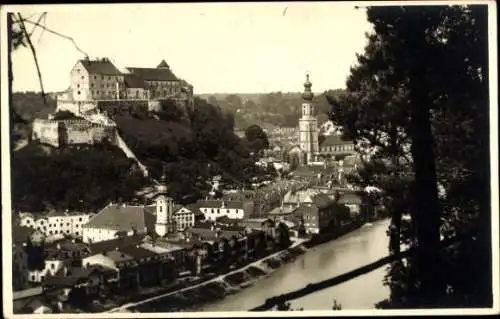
356	249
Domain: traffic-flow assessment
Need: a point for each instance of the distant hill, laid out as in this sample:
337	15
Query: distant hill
269	109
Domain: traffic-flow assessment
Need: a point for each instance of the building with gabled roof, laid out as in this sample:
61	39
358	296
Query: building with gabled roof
119	219
213	209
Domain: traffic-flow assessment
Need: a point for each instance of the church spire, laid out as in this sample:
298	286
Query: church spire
161	188
307	95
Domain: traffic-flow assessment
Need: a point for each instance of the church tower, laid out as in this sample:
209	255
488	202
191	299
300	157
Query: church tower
164	208
308	124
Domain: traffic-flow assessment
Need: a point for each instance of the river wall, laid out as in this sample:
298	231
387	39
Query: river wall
193	299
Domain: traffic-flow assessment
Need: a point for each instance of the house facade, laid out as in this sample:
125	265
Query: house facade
213	209
96	80
57	223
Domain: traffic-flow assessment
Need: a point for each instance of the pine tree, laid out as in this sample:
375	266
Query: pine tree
417	100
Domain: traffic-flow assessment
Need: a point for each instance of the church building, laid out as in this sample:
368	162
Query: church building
309	149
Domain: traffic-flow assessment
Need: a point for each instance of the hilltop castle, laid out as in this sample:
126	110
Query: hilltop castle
98	88
100	84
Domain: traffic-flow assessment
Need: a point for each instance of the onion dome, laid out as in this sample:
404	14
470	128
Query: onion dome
161	188
307	95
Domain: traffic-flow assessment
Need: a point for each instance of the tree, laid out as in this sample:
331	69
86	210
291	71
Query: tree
406	114
256	138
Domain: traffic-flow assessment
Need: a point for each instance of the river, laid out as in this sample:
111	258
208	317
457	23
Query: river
346	253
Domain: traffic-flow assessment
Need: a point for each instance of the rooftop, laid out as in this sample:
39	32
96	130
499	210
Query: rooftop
108	245
102	66
220	203
161	247
333	140
133	81
124	218
154	74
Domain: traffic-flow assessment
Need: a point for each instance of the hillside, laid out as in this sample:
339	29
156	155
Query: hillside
195	145
269	110
71	178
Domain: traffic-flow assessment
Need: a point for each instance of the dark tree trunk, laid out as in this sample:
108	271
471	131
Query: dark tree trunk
426	206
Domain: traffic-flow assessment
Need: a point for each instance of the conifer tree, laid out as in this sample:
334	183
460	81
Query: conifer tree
417	100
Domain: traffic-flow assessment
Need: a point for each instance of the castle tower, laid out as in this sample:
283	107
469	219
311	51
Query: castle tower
308	124
164	208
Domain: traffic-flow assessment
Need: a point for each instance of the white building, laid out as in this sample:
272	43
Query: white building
213	209
57	223
183	217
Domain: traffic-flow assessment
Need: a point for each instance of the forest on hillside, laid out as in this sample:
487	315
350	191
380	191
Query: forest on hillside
271	109
84	178
194	145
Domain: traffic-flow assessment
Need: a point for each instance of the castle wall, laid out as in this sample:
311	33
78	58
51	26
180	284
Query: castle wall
46	131
113	107
67	132
75	107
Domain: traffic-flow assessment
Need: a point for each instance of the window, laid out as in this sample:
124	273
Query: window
52	266
83	77
109	78
61	225
95	77
92	85
78	92
97	92
78	85
67	224
32	277
102	77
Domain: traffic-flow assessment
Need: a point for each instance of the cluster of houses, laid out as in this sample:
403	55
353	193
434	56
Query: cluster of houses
125	247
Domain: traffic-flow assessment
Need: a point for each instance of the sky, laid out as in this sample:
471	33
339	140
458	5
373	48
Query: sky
217	47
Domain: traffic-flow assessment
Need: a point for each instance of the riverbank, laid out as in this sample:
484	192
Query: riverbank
227	284
208	289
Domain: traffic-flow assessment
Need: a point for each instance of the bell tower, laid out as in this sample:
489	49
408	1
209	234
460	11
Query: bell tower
308	124
164	208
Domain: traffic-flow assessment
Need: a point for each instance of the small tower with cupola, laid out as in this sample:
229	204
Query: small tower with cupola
164	208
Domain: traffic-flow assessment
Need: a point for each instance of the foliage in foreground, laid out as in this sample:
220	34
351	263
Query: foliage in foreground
375	112
72	178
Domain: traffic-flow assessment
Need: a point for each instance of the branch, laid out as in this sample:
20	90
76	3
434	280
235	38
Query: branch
38	21
23	28
56	33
